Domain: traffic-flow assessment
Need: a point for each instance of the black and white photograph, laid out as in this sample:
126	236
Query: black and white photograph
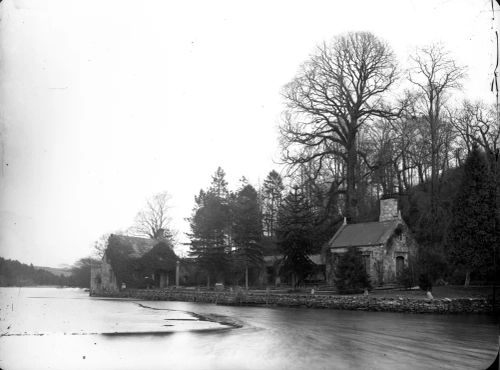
220	184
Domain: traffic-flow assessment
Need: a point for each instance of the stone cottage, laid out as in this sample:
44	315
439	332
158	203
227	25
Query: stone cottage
386	245
104	280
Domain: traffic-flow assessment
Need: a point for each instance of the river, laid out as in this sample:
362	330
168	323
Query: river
50	328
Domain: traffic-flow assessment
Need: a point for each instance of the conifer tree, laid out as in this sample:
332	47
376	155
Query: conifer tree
295	235
471	233
351	275
272	196
209	228
218	187
247	229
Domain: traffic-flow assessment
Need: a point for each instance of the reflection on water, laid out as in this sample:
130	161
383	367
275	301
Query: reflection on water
65	329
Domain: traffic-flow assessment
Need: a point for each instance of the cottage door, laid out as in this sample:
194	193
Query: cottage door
400	264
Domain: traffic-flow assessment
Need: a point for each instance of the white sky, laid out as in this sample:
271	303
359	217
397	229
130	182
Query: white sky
104	103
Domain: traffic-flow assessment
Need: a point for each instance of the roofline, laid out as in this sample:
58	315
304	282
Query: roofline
336	234
395	221
352	245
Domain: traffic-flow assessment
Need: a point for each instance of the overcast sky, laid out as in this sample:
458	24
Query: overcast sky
104	103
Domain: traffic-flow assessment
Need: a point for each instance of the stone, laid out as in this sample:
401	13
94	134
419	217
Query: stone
414	305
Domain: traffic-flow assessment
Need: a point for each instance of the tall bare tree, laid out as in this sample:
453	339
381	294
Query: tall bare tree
154	220
434	73
476	123
338	90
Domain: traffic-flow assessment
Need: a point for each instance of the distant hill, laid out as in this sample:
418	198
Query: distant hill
56	270
15	273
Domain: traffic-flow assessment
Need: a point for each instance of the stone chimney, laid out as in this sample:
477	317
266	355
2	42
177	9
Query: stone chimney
388	210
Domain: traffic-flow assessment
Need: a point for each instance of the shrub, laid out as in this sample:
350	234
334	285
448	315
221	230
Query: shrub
406	278
425	282
351	276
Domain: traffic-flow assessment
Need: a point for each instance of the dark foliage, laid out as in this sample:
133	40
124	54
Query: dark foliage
471	233
351	275
15	273
211	227
160	258
425	282
272	197
247	229
139	272
428	228
416	209
431	265
294	235
208	238
407	278
80	273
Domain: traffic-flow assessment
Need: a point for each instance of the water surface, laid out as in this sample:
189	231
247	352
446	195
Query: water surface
50	328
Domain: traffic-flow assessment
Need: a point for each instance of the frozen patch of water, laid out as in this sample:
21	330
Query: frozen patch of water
66	329
86	316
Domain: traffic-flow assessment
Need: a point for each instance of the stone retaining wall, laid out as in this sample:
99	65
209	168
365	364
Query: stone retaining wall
366	303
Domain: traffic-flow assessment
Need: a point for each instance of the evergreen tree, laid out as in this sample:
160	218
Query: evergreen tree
247	229
351	275
471	233
218	187
209	228
272	196
294	234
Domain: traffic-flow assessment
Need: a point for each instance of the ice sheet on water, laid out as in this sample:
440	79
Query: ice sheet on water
43	314
271	337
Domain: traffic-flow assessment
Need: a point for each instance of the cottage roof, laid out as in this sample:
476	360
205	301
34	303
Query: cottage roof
363	234
272	259
137	247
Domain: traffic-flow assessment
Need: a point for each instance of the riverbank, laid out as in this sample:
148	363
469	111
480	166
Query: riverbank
340	302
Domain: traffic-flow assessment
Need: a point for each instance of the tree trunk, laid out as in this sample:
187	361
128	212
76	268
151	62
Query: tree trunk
398	176
420	173
434	128
352	160
246	277
404	170
467	278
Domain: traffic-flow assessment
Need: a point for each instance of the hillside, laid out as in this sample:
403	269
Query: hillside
15	273
55	270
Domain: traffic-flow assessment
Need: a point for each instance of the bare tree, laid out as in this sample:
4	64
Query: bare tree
334	94
380	146
100	245
154	220
434	73
475	123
